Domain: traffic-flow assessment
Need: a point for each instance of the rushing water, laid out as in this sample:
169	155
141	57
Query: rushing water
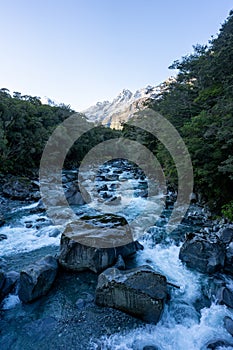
188	322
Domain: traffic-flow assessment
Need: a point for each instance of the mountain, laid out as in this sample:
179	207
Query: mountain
123	107
48	101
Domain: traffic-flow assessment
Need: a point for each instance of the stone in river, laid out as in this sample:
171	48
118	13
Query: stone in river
203	254
37	279
95	243
140	292
228	323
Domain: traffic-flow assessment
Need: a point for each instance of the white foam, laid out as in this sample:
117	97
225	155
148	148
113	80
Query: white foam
10	302
21	239
167	335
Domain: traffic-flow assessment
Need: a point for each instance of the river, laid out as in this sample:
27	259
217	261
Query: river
61	321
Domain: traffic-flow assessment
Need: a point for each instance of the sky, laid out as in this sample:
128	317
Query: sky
79	52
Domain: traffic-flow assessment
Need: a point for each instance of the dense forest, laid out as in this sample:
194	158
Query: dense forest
25	127
198	102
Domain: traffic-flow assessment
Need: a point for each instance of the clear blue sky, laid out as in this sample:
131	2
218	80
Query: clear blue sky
83	51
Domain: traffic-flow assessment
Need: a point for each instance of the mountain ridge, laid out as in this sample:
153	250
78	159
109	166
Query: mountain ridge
121	108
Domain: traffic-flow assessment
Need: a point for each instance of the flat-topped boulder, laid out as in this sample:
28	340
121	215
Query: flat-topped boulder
140	292
95	243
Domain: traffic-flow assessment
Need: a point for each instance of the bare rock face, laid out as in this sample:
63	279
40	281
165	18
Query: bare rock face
37	279
90	246
140	292
204	254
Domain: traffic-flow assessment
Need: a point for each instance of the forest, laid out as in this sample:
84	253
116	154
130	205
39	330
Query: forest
199	103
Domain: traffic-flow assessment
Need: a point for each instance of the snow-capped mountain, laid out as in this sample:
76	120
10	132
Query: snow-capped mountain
48	101
123	106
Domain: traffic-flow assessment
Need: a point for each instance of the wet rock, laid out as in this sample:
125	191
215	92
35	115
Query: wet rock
40	208
37	279
202	253
102	188
228	265
140	292
226	236
2	237
8	283
95	245
2	278
20	188
120	264
228	323
111	177
106	195
2	220
115	200
74	196
54	232
214	345
225	296
80	257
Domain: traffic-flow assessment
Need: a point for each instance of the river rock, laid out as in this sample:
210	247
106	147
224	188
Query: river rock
226	235
37	279
8	283
202	253
20	188
225	296
228	323
217	344
2	278
11	279
2	237
40	208
74	196
87	246
2	220
228	265
80	257
140	292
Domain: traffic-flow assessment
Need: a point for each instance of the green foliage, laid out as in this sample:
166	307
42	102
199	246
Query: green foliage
199	103
25	127
227	211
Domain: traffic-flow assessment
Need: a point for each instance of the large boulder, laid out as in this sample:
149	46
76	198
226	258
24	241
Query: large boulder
37	279
86	245
140	292
8	281
204	254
